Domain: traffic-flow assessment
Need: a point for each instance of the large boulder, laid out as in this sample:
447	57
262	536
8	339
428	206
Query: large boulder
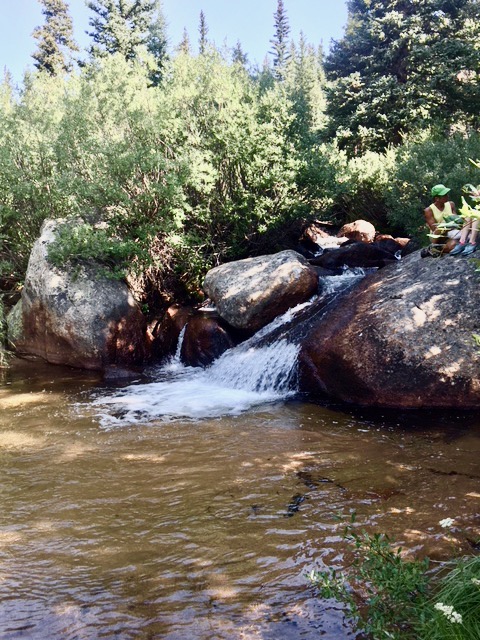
250	293
360	230
167	332
403	338
359	254
204	341
77	317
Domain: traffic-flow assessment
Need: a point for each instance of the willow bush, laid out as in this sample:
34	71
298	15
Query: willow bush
390	189
199	167
29	171
203	168
422	163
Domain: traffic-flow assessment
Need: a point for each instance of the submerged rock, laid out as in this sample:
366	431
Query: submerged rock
76	317
403	338
250	293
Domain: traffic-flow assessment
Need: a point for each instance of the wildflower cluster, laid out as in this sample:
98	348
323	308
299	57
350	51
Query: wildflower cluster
449	613
446	523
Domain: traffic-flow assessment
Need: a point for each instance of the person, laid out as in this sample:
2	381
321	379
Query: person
442	211
469	232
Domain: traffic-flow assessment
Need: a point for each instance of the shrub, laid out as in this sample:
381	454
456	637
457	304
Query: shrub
385	594
196	171
390	596
422	164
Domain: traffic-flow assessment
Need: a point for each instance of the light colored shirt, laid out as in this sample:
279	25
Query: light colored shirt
440	215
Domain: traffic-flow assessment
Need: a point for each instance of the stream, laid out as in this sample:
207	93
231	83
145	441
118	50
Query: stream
193	503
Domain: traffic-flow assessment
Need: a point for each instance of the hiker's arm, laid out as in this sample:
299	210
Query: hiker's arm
430	219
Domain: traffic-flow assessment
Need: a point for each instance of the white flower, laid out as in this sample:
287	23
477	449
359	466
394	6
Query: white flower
476	582
446	523
449	612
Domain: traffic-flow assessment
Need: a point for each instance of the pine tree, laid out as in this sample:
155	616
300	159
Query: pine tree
157	42
55	39
400	67
120	26
305	85
280	41
202	30
239	56
264	76
184	46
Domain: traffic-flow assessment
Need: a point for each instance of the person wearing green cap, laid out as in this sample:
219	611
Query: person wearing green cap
442	210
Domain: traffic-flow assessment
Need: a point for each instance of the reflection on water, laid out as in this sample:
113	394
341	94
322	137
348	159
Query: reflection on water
206	528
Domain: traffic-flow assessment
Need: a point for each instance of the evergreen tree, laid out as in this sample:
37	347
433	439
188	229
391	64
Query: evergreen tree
184	46
157	42
305	84
403	65
238	55
202	30
55	38
264	76
280	40
120	26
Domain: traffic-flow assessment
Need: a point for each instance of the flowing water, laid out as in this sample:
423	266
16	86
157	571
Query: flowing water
193	503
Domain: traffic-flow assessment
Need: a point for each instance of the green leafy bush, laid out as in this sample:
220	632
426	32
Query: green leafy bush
210	165
388	595
422	164
184	175
385	594
78	243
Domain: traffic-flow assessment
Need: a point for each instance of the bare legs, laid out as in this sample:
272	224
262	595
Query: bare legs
469	227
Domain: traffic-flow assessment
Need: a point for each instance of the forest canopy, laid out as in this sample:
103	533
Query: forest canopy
178	160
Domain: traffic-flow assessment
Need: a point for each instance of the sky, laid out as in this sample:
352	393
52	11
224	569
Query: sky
249	21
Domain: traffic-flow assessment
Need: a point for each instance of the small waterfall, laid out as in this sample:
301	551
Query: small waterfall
268	369
243	377
261	370
176	357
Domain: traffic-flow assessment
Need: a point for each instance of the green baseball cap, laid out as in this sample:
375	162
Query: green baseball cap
439	190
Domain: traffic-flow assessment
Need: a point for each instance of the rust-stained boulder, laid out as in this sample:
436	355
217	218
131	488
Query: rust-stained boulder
204	341
250	293
402	242
315	232
403	338
360	230
77	317
168	330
